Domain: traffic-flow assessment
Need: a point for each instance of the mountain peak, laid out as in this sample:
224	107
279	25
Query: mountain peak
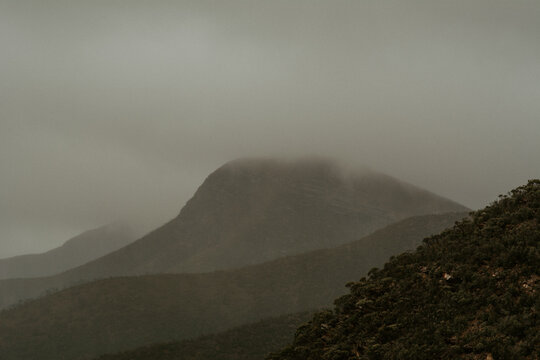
251	211
307	165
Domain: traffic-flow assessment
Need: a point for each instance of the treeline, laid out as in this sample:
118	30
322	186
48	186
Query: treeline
472	292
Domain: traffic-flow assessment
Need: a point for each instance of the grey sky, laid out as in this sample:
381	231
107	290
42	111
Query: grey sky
119	109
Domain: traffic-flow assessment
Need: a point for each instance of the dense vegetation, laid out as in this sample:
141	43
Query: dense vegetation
247	342
472	292
252	211
118	314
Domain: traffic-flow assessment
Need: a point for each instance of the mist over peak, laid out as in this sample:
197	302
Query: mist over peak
121	109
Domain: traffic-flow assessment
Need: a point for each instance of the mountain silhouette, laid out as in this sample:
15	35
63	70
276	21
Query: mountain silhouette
77	251
254	210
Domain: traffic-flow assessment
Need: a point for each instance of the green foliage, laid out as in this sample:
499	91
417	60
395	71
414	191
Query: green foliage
471	292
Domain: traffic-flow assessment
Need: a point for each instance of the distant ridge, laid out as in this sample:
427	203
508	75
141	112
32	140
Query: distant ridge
254	210
77	251
122	313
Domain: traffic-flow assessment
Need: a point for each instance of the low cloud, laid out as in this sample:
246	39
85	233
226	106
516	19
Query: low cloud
119	110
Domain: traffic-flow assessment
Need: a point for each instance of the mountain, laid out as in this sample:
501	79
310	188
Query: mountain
118	314
81	249
252	211
471	292
247	342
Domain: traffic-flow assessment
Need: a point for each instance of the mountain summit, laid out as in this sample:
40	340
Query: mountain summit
252	211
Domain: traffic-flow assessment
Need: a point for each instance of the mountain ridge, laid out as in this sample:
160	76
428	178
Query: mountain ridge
117	314
251	211
247	342
76	251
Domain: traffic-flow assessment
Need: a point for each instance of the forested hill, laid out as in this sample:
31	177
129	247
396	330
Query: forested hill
247	342
119	314
472	292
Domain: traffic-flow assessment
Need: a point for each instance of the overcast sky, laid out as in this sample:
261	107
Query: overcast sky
119	109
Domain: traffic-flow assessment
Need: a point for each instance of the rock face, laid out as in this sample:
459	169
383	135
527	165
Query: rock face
79	250
251	211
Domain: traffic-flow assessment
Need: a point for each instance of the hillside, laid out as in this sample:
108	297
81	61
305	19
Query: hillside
471	292
79	250
252	211
118	314
247	342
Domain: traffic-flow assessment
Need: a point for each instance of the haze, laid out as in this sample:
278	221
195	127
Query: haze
118	110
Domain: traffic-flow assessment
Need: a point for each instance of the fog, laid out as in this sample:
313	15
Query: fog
118	110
